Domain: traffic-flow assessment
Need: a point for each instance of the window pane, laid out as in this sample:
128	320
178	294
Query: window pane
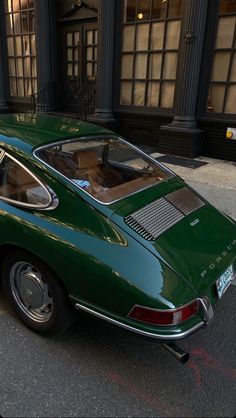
172	35
34	86
11	66
216	97
69	39
139	93
153	94
13	91
10	46
167	95
89	53
225	32
24	4
8	5
69	70
20	86
130	10
227	6
126	91
76	69
142	37
32	44
157	35
105	167
159	9
9	24
230	106
170	64
27	69
128	38
233	70
141	66
155	66
127	66
28	86
174	8
15	5
19	67
26	45
143	9
69	54
89	69
220	66
95	36
18	45
76	38
34	68
89	37
18	185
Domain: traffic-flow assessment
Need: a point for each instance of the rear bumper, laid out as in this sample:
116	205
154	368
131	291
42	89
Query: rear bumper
206	309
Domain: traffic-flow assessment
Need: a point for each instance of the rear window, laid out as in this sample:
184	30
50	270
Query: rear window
108	169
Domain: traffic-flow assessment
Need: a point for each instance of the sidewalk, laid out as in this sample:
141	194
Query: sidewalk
214	179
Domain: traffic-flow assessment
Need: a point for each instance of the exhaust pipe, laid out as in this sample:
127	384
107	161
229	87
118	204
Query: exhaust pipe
177	352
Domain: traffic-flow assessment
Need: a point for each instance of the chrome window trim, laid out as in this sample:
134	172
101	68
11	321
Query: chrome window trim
52	201
171	337
139	151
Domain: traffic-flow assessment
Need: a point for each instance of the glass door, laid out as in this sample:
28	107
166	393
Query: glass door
78	67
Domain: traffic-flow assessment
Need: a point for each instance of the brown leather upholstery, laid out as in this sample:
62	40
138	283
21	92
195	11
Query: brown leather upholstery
17	184
85	159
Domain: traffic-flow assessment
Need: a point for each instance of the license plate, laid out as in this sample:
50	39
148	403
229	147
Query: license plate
224	281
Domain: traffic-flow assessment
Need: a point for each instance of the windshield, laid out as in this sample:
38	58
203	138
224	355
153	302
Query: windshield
106	168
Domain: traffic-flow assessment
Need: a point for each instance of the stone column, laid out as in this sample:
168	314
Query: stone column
104	83
3	98
45	33
182	136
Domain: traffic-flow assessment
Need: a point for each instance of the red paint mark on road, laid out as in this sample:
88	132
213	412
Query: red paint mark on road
139	393
197	372
207	360
213	363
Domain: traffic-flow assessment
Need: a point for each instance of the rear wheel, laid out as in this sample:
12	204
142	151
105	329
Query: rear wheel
36	294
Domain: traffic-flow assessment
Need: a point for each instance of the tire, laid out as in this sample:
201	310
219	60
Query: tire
36	294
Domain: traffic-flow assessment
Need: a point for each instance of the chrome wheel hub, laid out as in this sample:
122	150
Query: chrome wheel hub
31	292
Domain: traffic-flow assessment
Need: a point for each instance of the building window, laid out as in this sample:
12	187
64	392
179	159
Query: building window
151	30
222	88
21	47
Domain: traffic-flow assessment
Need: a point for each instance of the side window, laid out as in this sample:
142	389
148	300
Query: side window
18	186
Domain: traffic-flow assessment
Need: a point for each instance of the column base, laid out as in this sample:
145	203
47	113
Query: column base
103	118
180	141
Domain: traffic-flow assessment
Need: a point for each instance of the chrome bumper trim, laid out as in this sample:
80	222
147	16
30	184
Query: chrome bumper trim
207	310
161	337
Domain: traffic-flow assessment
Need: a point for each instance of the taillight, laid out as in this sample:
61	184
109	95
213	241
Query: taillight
165	316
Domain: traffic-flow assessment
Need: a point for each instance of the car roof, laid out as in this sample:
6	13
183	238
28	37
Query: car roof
26	131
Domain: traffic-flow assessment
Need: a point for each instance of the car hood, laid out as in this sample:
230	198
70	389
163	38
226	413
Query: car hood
199	243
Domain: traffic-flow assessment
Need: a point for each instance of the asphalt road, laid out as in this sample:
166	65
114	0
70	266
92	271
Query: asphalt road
96	369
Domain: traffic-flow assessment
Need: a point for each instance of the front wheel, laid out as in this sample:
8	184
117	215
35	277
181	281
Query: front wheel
36	294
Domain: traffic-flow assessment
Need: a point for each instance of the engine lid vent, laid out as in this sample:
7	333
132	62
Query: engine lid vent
157	217
185	200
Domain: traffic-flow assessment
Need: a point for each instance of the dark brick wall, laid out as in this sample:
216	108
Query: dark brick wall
145	130
140	128
215	144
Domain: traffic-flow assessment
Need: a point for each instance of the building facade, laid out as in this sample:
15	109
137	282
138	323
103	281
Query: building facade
159	72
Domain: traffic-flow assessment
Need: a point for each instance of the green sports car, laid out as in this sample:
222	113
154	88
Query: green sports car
89	221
